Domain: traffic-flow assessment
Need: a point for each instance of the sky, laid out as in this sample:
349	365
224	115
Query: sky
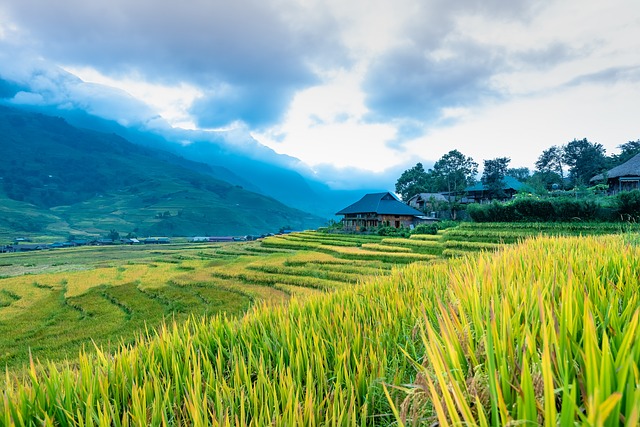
351	88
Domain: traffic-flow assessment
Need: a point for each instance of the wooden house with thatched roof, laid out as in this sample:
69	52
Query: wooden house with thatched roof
379	209
625	177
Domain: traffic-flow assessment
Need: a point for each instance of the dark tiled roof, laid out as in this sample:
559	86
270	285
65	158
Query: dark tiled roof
428	196
629	168
509	183
381	204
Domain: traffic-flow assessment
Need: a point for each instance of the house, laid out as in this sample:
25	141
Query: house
200	239
379	209
625	177
103	242
156	240
130	241
30	247
479	192
425	201
220	239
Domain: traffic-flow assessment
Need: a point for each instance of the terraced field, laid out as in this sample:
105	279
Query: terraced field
541	333
53	303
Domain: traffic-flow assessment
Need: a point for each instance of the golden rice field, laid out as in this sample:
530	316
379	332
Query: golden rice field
544	332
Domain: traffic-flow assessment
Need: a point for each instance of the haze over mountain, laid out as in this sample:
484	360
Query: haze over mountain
57	179
233	155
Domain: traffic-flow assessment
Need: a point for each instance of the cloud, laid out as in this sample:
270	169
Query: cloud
260	49
256	105
413	83
370	84
45	85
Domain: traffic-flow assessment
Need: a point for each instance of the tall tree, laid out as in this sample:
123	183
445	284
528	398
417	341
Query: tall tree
521	174
412	181
493	176
454	172
627	151
585	160
551	161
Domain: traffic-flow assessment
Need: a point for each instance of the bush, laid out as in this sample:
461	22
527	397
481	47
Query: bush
493	212
386	230
539	210
431	228
535	209
628	205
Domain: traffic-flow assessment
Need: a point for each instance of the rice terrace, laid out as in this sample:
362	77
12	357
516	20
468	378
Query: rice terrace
479	324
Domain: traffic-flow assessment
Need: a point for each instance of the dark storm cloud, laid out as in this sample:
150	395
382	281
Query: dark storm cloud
246	45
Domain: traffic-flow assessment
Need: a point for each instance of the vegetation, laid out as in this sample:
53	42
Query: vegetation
624	206
493	176
453	342
59	180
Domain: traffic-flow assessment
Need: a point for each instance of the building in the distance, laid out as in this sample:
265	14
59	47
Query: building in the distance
377	209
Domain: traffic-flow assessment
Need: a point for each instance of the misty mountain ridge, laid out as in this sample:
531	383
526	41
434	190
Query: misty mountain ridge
60	179
233	156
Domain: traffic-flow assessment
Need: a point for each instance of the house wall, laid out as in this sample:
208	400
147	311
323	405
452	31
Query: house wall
624	184
397	221
357	223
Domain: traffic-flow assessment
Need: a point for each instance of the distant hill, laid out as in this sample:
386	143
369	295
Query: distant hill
259	169
57	179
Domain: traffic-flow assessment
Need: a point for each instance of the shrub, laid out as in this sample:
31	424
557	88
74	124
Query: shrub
535	209
385	230
431	228
532	210
628	205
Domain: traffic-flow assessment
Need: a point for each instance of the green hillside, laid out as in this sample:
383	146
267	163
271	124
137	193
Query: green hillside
58	180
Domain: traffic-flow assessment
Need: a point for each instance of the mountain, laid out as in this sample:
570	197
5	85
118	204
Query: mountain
57	179
236	158
232	155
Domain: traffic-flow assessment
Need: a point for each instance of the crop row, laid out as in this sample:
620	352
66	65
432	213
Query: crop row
545	332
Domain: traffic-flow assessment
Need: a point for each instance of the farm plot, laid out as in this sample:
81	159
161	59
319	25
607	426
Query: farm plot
512	338
54	303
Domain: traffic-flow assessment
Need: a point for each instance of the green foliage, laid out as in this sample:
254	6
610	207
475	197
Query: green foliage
628	205
521	174
493	176
385	230
113	235
627	151
431	228
584	159
412	181
453	172
532	209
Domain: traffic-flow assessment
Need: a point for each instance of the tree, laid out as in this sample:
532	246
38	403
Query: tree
585	160
493	176
521	174
412	181
550	167
113	235
454	171
627	151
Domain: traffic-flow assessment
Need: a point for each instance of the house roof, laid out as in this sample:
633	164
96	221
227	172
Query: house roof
629	168
428	196
509	183
381	204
